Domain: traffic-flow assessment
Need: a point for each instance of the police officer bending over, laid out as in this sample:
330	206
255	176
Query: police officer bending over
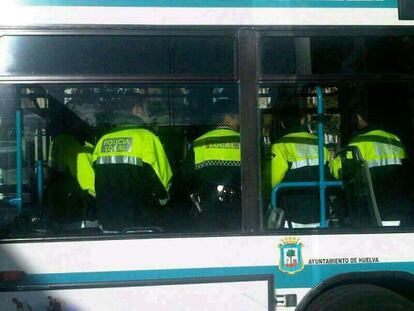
214	179
132	172
384	154
71	188
295	159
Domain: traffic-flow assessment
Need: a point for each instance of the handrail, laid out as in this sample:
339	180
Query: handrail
19	164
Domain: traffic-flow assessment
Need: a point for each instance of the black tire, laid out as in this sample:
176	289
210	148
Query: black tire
360	297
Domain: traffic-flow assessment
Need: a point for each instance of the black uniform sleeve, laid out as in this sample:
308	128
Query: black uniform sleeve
188	172
154	183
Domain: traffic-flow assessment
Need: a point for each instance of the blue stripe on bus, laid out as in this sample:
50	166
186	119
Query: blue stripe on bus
220	3
307	278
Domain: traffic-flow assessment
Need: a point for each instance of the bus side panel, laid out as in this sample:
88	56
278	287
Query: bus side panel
248	295
297	263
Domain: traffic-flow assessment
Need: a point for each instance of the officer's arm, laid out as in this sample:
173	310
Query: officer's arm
162	169
336	167
279	165
155	184
187	171
85	172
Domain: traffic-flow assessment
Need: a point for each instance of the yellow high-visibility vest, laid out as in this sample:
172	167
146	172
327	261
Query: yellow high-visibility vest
294	151
219	147
70	156
378	148
134	146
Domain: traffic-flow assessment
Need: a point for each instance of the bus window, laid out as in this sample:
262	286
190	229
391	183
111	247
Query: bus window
366	124
366	147
290	150
305	55
129	55
119	158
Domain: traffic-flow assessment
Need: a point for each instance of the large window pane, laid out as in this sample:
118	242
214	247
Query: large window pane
120	158
137	55
337	55
368	138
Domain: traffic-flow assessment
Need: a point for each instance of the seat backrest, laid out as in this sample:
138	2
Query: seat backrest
302	205
359	191
392	186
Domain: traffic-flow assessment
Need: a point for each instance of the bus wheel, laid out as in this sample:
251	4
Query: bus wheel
361	297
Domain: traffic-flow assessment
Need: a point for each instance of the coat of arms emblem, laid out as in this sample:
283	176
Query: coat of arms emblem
291	260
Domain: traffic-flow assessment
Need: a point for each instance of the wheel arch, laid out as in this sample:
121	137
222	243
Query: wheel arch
396	281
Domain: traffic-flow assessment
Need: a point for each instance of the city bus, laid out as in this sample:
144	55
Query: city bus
66	68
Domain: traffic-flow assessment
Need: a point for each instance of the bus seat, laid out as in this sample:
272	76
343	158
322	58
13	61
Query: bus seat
359	192
302	205
384	190
392	190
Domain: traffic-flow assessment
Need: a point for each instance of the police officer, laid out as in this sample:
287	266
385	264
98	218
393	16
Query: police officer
132	171
74	157
384	154
71	190
215	165
295	159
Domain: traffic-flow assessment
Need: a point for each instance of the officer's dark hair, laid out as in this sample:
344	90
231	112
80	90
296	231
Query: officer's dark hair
223	107
290	113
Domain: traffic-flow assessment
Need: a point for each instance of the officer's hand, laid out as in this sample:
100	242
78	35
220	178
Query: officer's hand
163	202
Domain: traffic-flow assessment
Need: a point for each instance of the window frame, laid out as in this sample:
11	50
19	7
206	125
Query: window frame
248	75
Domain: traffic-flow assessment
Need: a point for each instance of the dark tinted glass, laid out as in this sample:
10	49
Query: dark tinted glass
84	55
304	55
389	54
406	9
38	55
278	56
333	55
206	56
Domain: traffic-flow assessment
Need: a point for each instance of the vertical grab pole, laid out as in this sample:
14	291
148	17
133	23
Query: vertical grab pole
19	164
40	183
321	157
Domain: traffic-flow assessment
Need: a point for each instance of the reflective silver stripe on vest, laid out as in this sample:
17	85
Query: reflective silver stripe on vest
299	225
119	160
216	163
303	163
391	223
383	162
